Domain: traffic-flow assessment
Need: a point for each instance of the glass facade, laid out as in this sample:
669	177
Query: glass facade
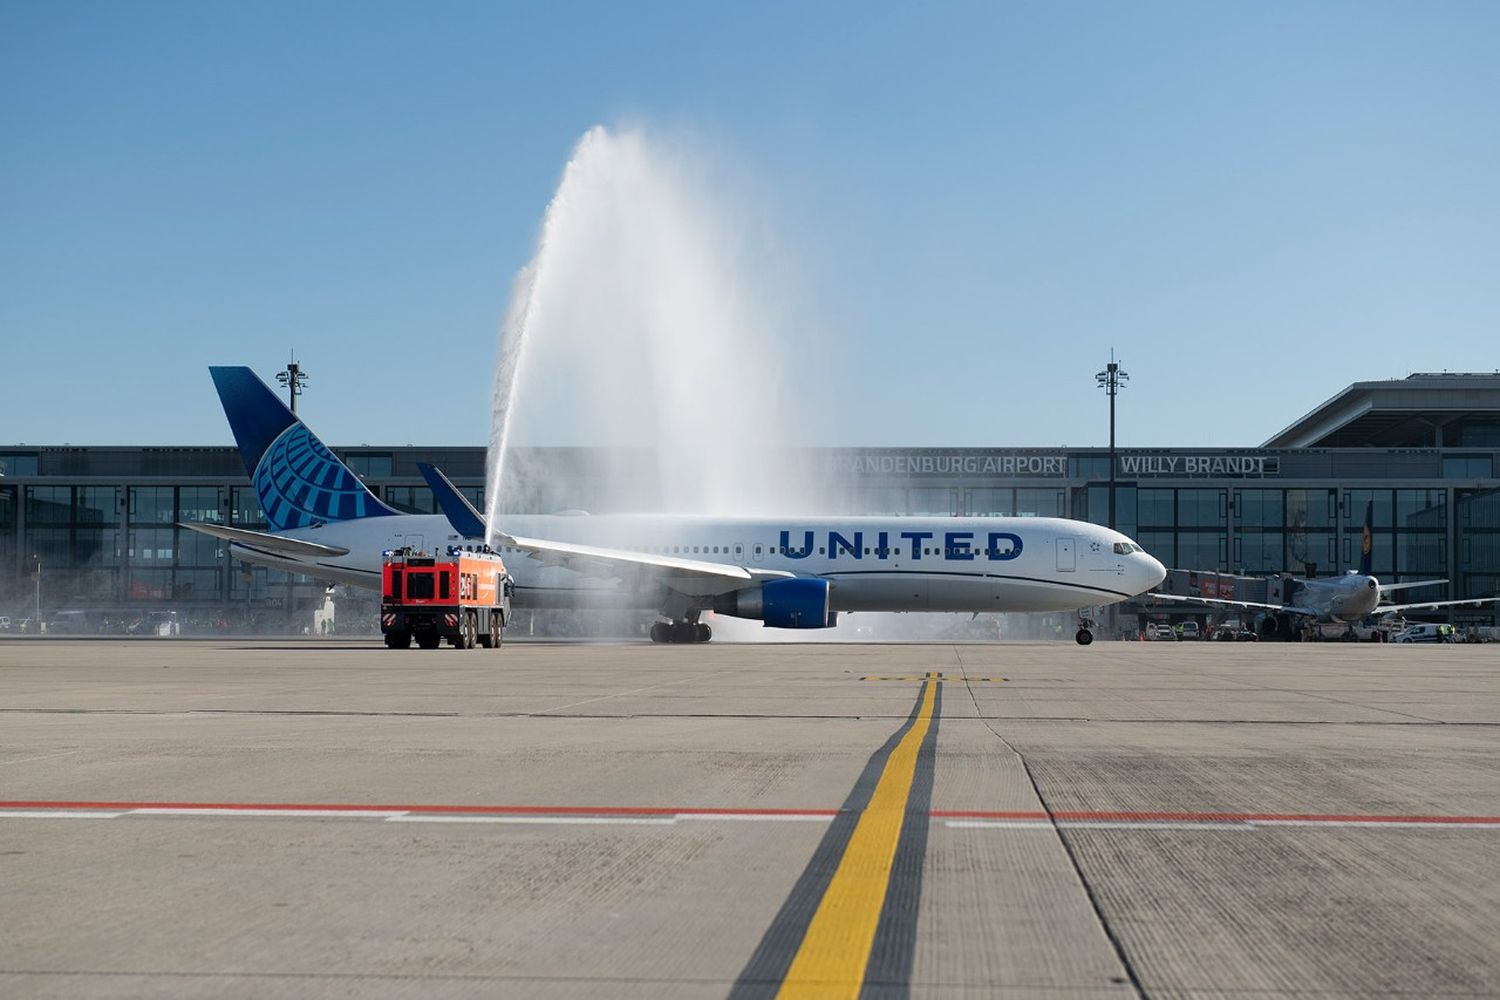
411	499
934	501
1478	515
1468	467
73	531
370	465
1038	503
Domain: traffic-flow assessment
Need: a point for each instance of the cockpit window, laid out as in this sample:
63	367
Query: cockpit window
1125	548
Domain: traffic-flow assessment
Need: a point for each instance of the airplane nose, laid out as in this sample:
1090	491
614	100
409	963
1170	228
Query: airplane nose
1155	573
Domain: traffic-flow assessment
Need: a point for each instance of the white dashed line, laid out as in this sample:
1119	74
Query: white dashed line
537	820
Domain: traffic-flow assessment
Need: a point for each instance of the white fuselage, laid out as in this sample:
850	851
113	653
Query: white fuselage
1342	599
871	563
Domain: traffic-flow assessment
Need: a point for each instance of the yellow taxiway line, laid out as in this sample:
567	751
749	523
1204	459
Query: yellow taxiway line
834	952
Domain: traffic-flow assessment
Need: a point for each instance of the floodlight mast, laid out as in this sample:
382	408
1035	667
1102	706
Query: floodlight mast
295	380
1112	380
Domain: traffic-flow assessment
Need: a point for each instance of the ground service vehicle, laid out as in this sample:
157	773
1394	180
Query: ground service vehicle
462	596
1426	633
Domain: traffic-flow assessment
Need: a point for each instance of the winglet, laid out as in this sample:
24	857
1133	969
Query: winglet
467	521
1366	543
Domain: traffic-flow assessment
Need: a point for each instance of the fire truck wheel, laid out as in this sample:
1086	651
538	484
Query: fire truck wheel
398	640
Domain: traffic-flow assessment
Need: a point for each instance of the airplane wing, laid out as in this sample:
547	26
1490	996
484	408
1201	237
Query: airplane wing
276	545
1223	602
1386	609
691	576
1384	587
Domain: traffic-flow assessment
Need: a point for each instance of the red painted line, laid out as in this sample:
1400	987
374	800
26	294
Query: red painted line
468	809
543	810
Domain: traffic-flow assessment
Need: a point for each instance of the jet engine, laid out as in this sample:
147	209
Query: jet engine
1274	624
801	602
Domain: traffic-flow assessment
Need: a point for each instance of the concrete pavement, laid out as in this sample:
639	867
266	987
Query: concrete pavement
328	818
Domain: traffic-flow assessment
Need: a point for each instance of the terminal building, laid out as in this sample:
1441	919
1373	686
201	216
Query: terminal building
101	523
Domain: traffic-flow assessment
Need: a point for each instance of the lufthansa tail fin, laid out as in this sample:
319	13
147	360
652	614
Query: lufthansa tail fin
467	521
297	479
1366	543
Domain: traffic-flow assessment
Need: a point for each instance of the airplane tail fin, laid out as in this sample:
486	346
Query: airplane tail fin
467	521
298	480
1366	543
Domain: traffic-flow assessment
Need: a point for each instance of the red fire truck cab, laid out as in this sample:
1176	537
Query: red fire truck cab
462	595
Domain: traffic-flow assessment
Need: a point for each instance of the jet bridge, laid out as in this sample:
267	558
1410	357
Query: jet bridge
1197	583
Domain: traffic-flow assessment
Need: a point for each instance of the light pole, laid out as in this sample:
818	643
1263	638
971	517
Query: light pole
1112	380
295	379
36	574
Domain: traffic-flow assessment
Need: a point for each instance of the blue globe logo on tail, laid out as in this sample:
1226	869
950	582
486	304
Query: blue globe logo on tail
299	482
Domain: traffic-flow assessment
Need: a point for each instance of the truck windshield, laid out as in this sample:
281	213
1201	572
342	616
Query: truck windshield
419	586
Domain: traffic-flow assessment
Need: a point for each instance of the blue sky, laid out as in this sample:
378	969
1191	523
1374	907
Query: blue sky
1253	204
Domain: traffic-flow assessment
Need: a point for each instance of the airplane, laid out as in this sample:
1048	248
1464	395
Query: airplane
788	572
1343	600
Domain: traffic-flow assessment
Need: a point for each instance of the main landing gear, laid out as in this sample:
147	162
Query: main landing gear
1085	631
681	632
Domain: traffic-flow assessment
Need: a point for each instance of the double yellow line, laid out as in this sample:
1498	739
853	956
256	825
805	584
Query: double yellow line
835	951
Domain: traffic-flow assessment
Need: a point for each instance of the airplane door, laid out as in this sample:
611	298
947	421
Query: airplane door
1065	559
756	550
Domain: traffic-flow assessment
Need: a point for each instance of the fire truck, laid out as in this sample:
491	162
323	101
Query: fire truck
462	595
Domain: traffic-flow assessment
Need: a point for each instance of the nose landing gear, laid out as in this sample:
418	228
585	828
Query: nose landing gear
1085	633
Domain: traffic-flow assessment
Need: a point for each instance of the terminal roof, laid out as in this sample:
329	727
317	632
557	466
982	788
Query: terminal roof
1399	413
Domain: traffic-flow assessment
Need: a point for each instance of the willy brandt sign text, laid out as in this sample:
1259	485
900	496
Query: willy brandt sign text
1200	465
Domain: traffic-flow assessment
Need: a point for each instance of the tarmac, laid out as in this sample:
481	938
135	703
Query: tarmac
328	818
